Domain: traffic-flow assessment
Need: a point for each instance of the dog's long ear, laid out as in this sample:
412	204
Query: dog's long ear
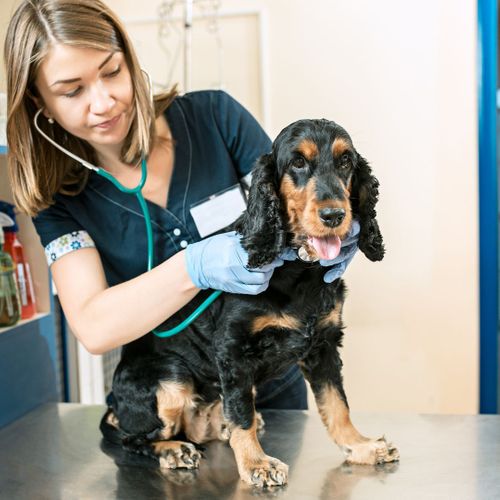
262	225
364	197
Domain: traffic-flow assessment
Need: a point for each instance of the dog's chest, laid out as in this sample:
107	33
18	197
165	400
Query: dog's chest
307	297
303	322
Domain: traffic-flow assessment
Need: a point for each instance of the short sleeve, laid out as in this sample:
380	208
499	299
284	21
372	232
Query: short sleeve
244	137
60	233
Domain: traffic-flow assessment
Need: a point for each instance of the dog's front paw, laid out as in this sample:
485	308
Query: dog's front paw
177	454
266	472
370	452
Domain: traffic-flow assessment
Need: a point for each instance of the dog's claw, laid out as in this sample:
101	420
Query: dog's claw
184	456
268	473
371	452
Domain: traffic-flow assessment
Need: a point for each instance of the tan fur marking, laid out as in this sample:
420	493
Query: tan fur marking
254	466
112	420
312	221
295	202
298	203
339	146
246	446
308	149
333	317
205	422
302	209
274	320
160	447
335	416
171	399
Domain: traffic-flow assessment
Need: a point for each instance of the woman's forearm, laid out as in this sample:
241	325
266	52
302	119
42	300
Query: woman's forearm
125	312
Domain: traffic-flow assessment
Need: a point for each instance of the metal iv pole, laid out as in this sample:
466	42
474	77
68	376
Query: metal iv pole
188	25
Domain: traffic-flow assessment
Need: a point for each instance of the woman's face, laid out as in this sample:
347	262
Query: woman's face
89	93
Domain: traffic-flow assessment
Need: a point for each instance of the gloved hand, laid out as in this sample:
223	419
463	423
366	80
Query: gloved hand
348	249
219	262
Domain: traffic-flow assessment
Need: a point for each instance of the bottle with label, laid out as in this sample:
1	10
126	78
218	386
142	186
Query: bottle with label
10	306
13	247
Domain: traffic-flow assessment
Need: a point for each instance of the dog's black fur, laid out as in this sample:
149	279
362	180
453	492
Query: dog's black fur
244	340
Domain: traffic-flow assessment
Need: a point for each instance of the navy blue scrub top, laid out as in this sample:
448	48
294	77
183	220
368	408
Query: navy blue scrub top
216	144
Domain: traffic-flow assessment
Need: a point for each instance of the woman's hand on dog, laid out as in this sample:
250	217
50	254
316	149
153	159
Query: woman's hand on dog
348	250
337	266
220	263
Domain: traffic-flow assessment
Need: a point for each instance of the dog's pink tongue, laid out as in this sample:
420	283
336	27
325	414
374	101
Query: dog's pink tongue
327	248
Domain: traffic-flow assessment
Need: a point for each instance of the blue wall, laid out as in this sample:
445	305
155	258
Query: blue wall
488	206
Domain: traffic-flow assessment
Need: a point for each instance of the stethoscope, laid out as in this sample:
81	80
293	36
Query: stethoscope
137	191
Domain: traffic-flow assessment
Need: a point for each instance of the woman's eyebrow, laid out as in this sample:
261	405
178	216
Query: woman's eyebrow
106	60
72	80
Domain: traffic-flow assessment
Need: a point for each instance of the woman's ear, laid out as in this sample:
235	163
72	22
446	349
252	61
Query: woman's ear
261	225
37	100
38	103
364	197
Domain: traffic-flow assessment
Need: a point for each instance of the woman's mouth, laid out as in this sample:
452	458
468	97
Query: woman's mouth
109	123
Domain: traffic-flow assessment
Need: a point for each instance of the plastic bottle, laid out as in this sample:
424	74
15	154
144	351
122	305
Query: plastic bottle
10	306
23	274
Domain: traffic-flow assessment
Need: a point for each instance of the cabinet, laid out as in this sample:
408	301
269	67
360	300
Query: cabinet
29	366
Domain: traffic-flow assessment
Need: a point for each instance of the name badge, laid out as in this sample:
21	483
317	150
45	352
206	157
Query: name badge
219	210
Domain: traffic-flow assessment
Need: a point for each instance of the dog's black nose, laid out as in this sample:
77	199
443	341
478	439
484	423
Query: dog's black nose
332	217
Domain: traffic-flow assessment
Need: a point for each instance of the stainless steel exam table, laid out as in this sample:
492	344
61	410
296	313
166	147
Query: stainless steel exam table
56	452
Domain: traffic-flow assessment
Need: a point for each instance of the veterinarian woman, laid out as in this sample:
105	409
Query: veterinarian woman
73	61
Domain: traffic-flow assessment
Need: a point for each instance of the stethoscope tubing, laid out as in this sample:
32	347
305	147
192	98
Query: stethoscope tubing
137	191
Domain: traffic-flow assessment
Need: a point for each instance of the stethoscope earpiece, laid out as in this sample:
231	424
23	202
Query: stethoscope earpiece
83	162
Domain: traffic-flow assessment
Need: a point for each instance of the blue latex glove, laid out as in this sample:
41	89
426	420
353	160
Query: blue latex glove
220	263
348	249
338	265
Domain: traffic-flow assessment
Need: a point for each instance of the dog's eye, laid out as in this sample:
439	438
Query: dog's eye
344	160
298	162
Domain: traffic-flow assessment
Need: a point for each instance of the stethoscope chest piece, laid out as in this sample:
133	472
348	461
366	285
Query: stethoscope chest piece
304	255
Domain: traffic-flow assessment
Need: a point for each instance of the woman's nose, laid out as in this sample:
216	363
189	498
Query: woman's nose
100	99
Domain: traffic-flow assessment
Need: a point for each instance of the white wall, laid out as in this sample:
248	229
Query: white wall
401	78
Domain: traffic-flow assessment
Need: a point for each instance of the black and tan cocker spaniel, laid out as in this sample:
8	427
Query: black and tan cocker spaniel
200	385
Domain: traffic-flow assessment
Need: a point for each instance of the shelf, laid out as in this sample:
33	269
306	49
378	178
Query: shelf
36	317
29	350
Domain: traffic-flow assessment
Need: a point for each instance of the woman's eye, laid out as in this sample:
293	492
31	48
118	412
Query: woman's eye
114	73
299	162
74	93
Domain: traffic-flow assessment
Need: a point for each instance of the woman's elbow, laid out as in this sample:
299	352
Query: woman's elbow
92	343
95	349
93	346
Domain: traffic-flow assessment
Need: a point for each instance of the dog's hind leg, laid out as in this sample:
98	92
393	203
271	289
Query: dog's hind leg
148	408
323	371
254	466
173	399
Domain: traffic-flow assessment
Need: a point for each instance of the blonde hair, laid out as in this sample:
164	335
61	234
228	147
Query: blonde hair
37	170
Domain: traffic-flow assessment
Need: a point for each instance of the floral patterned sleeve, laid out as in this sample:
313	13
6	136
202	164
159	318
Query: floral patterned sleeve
67	243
